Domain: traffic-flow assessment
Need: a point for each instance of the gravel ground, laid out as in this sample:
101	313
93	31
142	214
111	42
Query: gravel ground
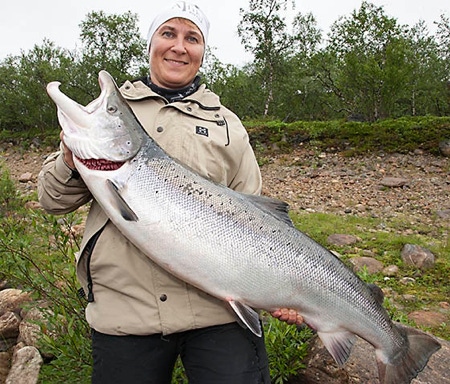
329	182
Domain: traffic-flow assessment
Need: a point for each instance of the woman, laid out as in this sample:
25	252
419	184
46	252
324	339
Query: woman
142	317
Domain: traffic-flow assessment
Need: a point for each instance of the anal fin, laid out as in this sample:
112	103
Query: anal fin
339	344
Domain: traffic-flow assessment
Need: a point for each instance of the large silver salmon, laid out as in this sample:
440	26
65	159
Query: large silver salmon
239	248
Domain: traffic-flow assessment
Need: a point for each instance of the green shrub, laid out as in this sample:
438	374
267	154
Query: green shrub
37	255
286	348
8	193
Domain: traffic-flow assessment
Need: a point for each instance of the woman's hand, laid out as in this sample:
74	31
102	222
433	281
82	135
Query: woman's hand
67	153
288	315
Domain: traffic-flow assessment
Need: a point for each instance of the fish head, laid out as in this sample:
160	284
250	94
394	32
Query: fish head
102	135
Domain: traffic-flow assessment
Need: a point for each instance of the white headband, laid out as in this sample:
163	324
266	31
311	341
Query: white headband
184	10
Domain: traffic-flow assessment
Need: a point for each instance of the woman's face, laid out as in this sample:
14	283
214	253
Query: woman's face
176	53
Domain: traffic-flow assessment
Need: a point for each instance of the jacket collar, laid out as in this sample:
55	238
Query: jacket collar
138	90
173	94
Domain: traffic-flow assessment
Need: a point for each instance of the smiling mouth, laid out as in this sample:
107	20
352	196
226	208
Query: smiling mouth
176	61
101	164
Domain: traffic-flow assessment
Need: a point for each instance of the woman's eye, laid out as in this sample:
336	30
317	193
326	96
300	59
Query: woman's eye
192	39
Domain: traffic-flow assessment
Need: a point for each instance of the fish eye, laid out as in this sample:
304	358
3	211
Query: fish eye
111	109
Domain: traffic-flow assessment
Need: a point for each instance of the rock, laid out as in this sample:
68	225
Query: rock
9	325
390	270
25	366
26	177
369	263
320	367
417	256
77	230
407	280
5	362
34	325
7	343
36	142
443	213
3	284
29	333
361	367
393	182
33	205
427	318
29	329
444	147
12	299
436	370
341	239
410	298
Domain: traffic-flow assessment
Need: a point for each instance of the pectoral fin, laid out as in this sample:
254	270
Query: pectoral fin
118	201
248	316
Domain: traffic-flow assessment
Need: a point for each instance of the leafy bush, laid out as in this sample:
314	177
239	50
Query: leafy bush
8	192
286	348
37	255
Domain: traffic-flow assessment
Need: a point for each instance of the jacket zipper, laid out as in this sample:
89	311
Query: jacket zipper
87	252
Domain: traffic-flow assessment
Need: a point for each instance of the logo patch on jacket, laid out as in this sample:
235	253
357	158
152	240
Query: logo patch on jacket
201	131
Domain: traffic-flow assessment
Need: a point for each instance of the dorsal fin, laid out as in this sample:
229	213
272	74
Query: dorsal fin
277	208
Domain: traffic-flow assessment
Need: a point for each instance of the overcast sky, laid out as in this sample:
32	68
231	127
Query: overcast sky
24	23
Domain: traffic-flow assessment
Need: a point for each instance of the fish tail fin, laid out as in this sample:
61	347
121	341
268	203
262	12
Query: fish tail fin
406	367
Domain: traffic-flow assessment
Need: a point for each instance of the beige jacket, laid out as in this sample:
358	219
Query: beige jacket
132	295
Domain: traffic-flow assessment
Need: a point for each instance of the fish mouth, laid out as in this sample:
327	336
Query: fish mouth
101	164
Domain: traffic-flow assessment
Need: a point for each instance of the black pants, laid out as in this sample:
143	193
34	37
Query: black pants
224	354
